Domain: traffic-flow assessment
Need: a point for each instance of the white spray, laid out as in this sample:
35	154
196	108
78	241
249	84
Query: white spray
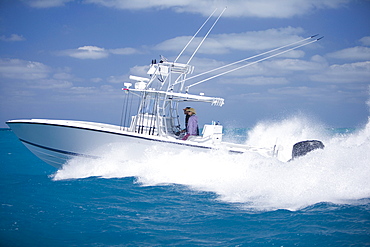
338	174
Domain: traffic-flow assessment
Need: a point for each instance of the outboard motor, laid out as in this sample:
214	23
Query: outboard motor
304	147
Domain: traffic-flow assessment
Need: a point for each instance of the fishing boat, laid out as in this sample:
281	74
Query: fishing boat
155	121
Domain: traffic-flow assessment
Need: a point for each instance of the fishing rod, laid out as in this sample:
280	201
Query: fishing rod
249	58
196	33
183	80
249	64
205	36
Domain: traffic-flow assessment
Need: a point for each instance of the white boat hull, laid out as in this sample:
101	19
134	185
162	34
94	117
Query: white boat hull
57	141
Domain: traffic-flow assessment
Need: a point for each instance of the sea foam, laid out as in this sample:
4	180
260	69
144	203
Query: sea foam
337	174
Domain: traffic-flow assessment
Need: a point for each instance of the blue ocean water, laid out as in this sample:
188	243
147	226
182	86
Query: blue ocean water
207	200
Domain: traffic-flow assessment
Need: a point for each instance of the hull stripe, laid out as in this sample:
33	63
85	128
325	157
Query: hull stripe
58	150
108	132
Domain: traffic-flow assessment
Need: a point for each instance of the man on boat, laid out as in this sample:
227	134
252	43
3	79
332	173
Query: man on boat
186	118
192	124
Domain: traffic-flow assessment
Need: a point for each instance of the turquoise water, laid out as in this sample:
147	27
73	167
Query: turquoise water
206	200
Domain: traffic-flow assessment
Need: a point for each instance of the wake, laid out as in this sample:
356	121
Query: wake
337	174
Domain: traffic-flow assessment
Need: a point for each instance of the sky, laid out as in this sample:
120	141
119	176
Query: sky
68	59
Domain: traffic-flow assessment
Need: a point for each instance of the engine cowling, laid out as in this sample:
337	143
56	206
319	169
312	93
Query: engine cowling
304	147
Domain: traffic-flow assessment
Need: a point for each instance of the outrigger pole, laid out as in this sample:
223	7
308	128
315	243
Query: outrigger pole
186	46
249	64
249	58
205	36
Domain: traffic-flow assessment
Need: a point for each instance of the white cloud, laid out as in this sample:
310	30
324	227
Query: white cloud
95	52
83	90
51	84
299	91
235	8
96	80
327	94
210	46
117	79
257	81
62	76
139	70
204	64
293	65
231	42
365	41
46	3
345	73
123	51
87	52
12	37
260	40
95	93
353	53
34	74
21	69
275	68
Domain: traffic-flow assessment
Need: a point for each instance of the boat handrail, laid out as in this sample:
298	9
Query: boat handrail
217	101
